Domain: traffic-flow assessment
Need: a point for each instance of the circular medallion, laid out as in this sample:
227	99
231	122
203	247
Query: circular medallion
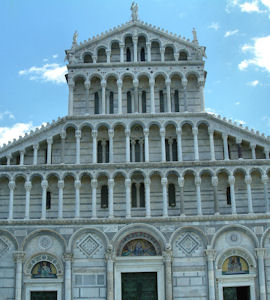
233	238
45	242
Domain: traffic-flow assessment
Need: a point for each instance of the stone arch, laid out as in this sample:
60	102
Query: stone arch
172	172
19	174
238	227
102	124
138	228
37	232
6	175
120	172
36	174
189	228
200	122
151	123
69	173
263	238
127	74
82	173
178	73
189	170
99	47
143	74
112	74
69	124
237	169
136	122
206	171
10	237
86	124
84	54
196	74
95	75
114	40
156	172
224	170
81	231
189	122
53	173
165	75
78	76
170	122
254	169
118	123
137	170
145	35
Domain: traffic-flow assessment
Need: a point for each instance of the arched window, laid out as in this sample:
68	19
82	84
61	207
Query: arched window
174	150
142	195
129	104
161	101
228	195
142	54
103	151
171	149
133	195
96	103
99	152
87	59
107	149
111	103
167	147
171	194
137	195
104	196
176	101
48	200
128	54
182	55
137	151
143	101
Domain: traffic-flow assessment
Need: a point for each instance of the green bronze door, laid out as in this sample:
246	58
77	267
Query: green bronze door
139	286
44	295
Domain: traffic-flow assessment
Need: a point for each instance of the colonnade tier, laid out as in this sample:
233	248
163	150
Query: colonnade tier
196	192
136	142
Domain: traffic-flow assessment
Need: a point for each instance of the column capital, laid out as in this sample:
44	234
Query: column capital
215	181
77	184
109	253
49	140
78	134
63	134
164	181
127	182
146	131
198	180
238	140
184	83
108	51
18	256
111	133
94	183
168	81
87	84
201	83
135	38
122	45
231	179
162	50
264	179
167	256
9	156
211	130
36	147
135	83
11	184
179	130
260	252
71	84
181	181
211	254
152	82
195	130
127	132
111	183
147	181
119	83
28	186
44	184
224	136
248	179
103	83
252	145
22	152
94	133
67	256
162	132
148	44
61	184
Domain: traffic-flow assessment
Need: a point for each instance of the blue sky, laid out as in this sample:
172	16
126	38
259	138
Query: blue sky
35	33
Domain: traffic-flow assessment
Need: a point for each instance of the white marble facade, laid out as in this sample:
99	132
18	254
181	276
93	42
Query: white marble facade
137	158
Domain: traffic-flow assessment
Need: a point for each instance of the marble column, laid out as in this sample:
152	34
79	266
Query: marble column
133	142
211	273
103	145
9	156
94	185
27	186
167	259
111	186
44	186
127	133
63	138
11	186
198	193
141	150
136	96
215	187
225	146
239	147
77	186
108	54
212	145
103	97
170	142
78	146
195	141
94	135
261	270
147	183
18	258
61	185
152	95
266	197
179	144
87	85
181	182
35	154
70	97
162	52
128	202
253	152
67	257
110	272
122	46
163	148
231	180
184	83
201	87
148	46
94	59
266	152
49	150
135	43
248	180
164	183
146	144
21	157
111	154
168	91
119	86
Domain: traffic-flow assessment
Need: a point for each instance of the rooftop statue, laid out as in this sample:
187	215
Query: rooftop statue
75	36
134	11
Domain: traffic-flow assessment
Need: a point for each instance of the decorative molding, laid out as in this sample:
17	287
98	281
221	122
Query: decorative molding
89	245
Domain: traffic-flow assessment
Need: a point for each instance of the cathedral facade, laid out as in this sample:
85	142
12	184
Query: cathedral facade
137	193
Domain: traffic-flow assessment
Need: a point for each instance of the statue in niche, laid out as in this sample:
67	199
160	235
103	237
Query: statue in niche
134	11
235	265
44	269
138	247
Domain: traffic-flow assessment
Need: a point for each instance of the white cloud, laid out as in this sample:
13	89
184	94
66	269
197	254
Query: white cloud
260	51
214	25
255	6
253	83
241	122
230	33
250	7
237	103
13	132
48	72
211	111
6	114
55	56
45	59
